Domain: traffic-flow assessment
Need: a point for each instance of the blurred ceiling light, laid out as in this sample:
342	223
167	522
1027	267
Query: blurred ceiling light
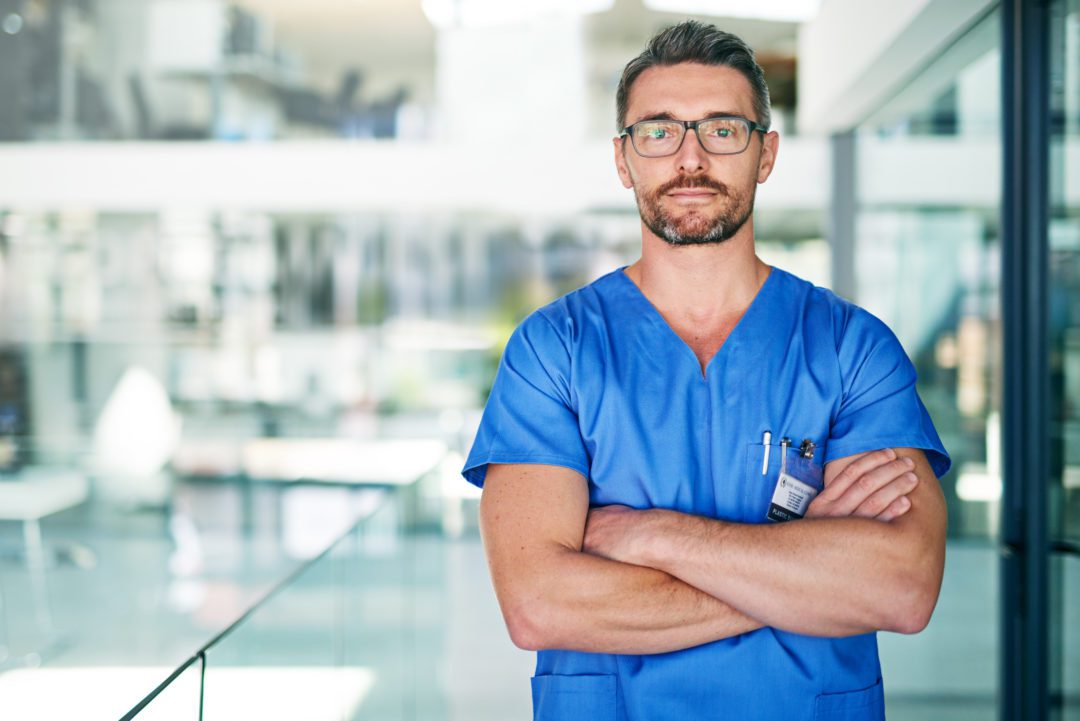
976	484
445	14
790	11
13	24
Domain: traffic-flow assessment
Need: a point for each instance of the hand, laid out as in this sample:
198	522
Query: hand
875	485
617	532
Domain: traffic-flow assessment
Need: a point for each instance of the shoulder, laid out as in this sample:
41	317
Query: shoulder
564	317
552	333
849	323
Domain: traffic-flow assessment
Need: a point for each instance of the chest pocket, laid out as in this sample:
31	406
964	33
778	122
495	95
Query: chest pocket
761	472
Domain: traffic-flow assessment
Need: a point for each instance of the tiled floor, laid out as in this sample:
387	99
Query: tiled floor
415	618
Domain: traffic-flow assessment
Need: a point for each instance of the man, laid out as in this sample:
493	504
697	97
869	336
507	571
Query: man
652	441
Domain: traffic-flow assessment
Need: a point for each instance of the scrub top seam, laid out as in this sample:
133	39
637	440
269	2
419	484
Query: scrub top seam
570	392
528	459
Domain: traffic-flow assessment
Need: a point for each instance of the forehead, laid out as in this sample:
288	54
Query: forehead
689	91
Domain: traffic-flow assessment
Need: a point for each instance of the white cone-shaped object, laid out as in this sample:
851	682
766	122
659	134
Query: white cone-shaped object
136	436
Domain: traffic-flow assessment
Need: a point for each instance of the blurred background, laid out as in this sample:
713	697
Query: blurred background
258	261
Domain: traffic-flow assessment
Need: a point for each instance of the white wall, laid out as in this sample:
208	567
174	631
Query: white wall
855	54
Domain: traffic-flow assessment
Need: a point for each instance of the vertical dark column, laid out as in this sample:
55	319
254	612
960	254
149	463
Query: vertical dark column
842	207
1025	566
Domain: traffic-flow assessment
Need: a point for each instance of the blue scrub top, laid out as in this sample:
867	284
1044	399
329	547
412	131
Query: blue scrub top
597	381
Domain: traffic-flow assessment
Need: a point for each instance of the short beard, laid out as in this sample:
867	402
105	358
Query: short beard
694	229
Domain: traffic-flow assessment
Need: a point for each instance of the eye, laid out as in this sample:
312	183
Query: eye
657	133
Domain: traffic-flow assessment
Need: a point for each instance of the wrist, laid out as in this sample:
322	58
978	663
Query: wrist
660	529
672	538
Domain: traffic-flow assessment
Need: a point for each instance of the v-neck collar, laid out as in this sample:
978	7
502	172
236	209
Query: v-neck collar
654	316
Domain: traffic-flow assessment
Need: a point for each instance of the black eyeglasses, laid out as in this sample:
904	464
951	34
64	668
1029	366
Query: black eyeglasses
727	135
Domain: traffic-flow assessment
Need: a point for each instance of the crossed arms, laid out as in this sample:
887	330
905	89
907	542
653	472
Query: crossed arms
869	556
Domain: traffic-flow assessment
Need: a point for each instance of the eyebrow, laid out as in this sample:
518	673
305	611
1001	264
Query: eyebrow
668	116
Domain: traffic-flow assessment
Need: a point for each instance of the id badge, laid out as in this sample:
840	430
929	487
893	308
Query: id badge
799	482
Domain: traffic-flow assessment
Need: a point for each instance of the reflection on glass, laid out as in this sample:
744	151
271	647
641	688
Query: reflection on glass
927	263
1064	238
1064	324
283	661
927	260
1069	570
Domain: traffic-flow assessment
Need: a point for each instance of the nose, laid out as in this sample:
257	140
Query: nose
691	157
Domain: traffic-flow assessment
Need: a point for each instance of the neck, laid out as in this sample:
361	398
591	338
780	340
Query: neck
700	283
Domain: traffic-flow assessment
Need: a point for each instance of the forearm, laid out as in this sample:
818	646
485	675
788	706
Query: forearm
582	602
821	577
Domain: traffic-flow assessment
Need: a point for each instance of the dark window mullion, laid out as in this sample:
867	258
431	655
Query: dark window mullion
1025	562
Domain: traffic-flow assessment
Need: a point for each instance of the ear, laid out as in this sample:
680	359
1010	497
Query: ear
620	162
770	144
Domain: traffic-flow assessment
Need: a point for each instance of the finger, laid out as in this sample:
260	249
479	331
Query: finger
870	483
880	500
896	509
857	468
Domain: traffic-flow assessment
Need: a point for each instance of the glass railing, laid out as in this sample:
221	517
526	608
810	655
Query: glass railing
329	639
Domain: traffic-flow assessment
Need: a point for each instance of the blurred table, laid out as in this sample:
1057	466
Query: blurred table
393	463
28	496
344	461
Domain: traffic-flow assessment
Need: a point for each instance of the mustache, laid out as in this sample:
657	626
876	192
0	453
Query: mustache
683	182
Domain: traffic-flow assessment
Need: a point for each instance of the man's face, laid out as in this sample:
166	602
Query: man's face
694	197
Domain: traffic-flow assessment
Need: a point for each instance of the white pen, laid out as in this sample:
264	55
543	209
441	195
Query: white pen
766	441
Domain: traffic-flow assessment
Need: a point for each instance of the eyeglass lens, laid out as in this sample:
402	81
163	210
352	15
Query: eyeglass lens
654	138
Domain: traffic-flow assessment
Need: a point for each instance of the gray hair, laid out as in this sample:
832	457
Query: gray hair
696	42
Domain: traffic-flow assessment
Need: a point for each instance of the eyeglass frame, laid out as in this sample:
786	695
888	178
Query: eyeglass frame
693	124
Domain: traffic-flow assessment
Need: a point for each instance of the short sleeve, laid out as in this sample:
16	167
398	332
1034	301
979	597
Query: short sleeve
529	416
880	407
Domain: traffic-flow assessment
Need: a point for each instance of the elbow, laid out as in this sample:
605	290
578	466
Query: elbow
529	627
915	585
914	606
523	634
912	618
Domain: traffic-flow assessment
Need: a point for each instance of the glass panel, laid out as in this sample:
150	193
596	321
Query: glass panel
283	661
336	643
179	701
378	632
1064	238
1070	636
1064	322
927	257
